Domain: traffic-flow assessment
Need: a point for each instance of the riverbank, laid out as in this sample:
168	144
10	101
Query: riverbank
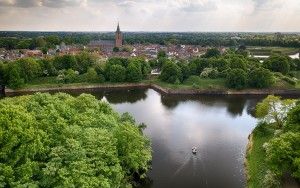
156	86
255	165
255	162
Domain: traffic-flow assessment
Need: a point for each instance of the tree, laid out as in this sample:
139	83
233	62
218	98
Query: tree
260	78
62	141
161	54
116	49
283	154
84	61
213	52
30	68
116	73
65	62
13	76
236	62
171	73
295	65
236	78
134	72
91	76
185	70
274	110
277	63
197	65
209	73
293	119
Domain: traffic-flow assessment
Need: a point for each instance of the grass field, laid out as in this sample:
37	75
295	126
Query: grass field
256	166
255	50
194	82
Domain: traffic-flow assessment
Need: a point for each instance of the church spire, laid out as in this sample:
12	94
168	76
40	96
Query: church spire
118	28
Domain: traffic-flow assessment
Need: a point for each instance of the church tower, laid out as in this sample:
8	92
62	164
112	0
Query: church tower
118	37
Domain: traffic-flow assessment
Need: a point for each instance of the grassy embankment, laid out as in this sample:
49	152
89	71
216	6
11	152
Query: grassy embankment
191	83
256	166
256	50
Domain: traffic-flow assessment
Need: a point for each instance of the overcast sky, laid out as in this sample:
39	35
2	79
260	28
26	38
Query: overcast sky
150	15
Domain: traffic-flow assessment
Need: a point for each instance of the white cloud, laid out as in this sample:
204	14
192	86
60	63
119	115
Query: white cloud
150	15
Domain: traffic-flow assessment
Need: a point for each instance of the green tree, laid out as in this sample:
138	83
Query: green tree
116	49
84	61
134	72
236	78
185	70
274	110
260	78
116	73
171	73
161	54
30	68
92	76
212	52
277	63
283	154
197	65
62	141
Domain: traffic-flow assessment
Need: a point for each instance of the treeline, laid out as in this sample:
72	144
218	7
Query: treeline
83	67
239	70
31	40
62	141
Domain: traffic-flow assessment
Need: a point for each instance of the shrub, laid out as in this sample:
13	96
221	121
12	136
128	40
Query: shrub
170	73
134	72
92	76
260	78
117	73
209	73
236	78
277	64
289	80
271	180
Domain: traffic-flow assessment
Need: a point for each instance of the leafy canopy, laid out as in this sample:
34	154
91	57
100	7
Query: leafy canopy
62	141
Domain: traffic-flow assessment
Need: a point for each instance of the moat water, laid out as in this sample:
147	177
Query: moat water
218	126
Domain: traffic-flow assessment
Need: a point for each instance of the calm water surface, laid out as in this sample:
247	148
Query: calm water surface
217	125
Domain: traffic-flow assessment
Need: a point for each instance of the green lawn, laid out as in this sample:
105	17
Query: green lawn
256	166
194	82
51	82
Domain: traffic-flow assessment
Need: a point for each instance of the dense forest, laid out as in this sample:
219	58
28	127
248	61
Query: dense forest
31	40
64	141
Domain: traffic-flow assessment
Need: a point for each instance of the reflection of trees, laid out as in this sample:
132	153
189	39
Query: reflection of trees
121	96
234	104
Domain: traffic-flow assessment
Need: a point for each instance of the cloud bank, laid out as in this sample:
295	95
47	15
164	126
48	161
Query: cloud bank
150	15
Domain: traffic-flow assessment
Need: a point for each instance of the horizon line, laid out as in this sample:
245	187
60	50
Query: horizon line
144	31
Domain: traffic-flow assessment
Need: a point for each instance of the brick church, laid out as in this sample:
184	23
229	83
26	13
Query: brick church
108	45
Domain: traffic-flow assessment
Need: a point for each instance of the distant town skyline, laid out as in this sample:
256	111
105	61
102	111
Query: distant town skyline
151	15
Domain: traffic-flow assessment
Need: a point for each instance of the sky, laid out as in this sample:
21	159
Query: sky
151	15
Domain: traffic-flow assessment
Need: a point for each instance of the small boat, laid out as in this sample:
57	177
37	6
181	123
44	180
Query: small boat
194	150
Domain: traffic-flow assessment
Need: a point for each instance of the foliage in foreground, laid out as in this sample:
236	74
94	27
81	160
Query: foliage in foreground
62	141
280	155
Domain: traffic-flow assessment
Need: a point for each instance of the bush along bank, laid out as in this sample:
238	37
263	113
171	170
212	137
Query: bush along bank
274	146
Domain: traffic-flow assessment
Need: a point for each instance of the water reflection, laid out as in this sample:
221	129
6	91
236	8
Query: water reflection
234	104
217	125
